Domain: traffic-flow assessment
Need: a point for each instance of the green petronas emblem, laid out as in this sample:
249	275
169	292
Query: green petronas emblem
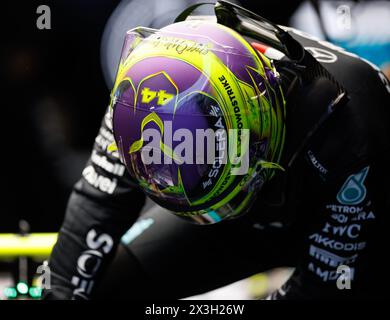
353	190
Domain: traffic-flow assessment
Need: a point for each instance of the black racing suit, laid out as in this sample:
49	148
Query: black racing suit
326	216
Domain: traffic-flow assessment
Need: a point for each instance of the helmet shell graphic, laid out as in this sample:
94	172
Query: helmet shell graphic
186	78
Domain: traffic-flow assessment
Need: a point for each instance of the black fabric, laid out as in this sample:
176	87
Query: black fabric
175	259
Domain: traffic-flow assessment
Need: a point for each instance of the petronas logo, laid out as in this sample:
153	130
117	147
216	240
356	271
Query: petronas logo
353	191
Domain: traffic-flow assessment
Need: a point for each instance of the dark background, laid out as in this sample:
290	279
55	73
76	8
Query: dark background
54	96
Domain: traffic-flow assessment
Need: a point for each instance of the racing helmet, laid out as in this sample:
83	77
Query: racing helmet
198	117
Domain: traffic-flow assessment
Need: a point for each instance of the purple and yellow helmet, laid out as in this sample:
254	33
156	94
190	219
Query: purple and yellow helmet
198	118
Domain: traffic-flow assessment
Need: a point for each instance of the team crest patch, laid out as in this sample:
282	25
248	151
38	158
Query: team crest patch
353	190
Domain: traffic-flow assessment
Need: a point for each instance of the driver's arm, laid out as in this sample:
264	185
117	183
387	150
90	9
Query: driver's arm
103	205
